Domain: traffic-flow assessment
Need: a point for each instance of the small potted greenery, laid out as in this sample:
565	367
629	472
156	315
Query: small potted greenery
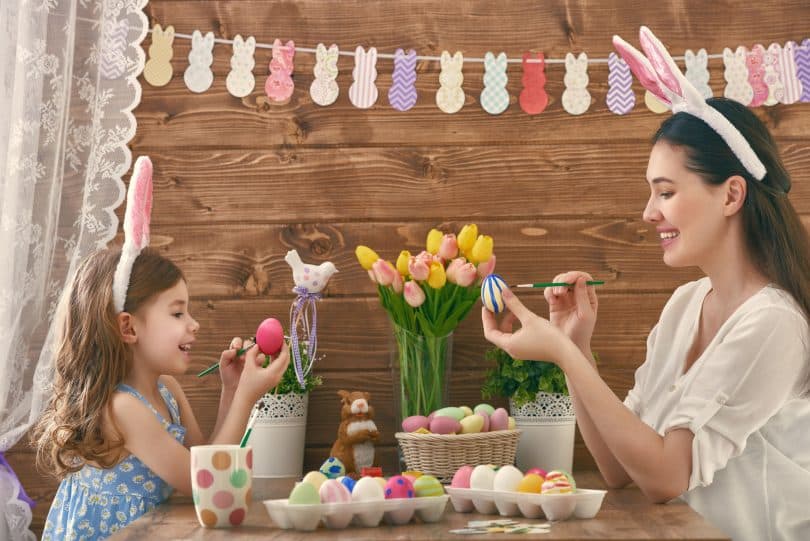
540	404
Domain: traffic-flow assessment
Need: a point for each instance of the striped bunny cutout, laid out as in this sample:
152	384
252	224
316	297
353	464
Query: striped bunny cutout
363	92
736	76
402	94
575	98
494	97
450	96
279	85
324	90
793	86
240	81
137	218
802	59
620	97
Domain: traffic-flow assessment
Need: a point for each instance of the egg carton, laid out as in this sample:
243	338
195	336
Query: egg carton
583	503
368	514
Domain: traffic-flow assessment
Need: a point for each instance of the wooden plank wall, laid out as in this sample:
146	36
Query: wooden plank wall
238	182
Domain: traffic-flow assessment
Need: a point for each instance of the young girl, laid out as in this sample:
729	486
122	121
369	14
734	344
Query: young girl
720	410
119	426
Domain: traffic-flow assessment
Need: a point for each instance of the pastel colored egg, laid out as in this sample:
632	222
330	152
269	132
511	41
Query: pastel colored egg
450	411
472	424
304	494
415	422
427	486
482	477
332	491
511	424
531	482
314	478
467	411
507	478
397	487
489	410
499	420
270	336
484	415
539	471
347	482
332	468
461	479
367	489
492	293
444	425
557	475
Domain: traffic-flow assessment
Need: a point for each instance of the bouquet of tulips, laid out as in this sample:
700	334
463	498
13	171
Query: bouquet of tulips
426	296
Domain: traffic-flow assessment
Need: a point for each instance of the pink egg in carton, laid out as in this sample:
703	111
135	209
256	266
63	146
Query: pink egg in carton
361	513
582	503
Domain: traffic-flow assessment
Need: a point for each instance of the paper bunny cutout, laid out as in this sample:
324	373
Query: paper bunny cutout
198	76
494	97
736	76
793	86
533	98
772	60
324	90
279	84
363	92
697	71
660	75
620	98
402	94
240	81
576	99
137	218
450	96
802	59
754	60
158	69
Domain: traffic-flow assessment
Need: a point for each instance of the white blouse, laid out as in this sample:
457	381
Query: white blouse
747	401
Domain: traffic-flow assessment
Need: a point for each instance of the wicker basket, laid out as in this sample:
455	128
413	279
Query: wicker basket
441	455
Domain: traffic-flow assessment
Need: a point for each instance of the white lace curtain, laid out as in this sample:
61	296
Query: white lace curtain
68	85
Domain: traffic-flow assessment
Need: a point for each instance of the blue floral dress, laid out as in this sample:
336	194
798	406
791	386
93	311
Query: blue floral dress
94	503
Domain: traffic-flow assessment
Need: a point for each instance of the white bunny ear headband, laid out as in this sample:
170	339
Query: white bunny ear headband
659	74
136	227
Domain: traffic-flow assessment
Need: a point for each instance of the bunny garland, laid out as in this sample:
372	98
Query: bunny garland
697	71
158	69
533	98
802	59
324	90
660	75
450	96
793	86
754	60
363	92
279	84
402	94
772	61
620	97
494	97
240	81
736	76
576	99
198	76
136	228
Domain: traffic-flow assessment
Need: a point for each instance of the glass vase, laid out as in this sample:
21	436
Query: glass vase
420	366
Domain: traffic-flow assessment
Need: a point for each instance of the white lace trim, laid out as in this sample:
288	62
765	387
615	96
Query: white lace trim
288	408
17	513
546	408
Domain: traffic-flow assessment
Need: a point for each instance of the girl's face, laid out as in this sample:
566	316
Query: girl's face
165	331
686	211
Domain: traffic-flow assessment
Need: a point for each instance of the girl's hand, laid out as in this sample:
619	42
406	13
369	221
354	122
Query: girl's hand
231	366
573	309
536	340
255	380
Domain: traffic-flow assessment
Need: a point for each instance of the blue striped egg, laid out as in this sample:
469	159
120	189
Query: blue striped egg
492	293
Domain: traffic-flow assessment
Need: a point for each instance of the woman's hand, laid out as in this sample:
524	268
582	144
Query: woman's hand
231	365
256	380
536	340
573	309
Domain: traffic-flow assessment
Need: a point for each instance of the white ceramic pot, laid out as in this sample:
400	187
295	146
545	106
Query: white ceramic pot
547	438
278	436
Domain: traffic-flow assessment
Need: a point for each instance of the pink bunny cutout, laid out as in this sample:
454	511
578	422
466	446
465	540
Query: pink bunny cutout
279	85
659	74
137	218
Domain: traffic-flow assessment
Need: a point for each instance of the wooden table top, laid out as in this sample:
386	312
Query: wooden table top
625	515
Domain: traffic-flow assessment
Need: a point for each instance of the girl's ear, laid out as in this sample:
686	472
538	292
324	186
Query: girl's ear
736	190
126	329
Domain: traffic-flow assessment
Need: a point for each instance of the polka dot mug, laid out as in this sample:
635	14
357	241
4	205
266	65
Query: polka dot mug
221	478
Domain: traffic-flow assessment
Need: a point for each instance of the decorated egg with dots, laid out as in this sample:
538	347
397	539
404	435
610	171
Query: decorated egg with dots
398	487
270	336
427	486
333	468
347	482
492	293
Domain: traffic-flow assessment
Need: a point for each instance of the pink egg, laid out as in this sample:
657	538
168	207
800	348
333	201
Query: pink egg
415	422
539	471
485	415
461	479
333	491
270	336
499	420
398	487
444	425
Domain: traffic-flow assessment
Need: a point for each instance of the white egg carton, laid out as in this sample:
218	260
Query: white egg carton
368	514
584	503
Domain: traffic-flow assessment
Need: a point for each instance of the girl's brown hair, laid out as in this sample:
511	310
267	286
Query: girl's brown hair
92	359
775	237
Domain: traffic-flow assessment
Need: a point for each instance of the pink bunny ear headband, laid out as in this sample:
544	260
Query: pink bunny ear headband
136	227
659	74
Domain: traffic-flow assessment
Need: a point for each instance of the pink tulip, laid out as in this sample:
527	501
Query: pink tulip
452	269
397	283
414	295
486	268
384	272
448	249
418	269
425	257
466	275
371	275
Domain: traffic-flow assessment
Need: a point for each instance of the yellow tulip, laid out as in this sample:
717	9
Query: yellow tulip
402	262
434	240
366	256
437	277
466	238
482	249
